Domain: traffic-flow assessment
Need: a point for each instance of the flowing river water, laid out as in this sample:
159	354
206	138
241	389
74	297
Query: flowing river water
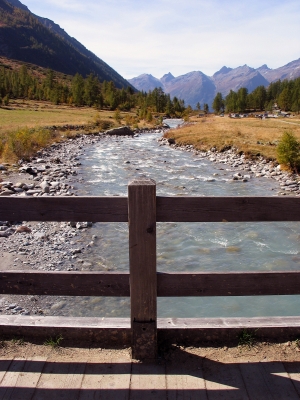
109	166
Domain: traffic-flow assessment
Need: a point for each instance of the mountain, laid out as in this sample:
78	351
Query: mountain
192	87
233	79
196	87
27	37
167	78
288	71
145	82
18	4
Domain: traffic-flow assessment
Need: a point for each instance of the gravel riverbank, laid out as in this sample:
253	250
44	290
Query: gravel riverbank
244	168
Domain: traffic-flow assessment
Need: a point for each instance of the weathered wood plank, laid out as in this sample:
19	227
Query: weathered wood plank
9	381
222	330
93	209
117	331
269	378
169	209
169	284
28	379
107	331
67	283
231	209
185	379
4	365
148	381
227	323
106	381
223	381
293	370
176	284
60	377
142	259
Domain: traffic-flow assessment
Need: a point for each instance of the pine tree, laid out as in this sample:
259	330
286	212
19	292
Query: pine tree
218	103
78	90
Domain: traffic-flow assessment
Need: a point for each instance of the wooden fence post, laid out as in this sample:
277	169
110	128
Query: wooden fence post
142	260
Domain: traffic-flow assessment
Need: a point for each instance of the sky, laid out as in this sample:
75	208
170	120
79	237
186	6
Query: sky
178	36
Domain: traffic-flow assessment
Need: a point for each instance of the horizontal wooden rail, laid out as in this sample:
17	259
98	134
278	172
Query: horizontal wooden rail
117	331
93	209
169	284
187	284
168	209
227	209
65	283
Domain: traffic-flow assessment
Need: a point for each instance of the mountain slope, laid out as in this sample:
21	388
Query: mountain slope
288	71
29	38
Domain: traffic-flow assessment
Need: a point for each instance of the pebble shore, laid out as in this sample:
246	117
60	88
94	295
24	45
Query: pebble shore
246	168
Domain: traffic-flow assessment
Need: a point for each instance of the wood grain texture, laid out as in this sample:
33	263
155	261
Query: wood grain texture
142	260
230	209
117	331
193	331
66	283
176	284
169	209
169	284
93	209
80	330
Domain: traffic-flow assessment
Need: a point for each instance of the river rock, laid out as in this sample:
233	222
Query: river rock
19	185
32	192
55	185
23	229
7	192
83	225
122	131
6	233
45	187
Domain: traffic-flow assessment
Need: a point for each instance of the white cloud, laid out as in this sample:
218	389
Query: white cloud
159	36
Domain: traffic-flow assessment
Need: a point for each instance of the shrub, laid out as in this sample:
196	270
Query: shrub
24	143
117	116
149	116
6	100
288	151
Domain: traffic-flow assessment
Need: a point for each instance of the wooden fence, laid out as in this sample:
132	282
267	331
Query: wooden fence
142	209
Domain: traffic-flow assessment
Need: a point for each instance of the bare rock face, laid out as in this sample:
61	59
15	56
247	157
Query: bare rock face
122	131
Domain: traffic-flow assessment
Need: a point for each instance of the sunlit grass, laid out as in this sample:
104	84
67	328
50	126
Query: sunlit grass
27	126
249	135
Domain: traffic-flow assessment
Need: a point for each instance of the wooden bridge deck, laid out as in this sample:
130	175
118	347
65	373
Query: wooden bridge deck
182	374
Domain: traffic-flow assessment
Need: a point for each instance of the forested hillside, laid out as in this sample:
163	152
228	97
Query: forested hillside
20	81
24	37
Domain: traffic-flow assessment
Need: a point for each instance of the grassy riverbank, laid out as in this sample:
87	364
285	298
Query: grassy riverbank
250	135
27	126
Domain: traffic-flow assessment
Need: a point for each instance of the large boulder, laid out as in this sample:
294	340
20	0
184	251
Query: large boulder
122	131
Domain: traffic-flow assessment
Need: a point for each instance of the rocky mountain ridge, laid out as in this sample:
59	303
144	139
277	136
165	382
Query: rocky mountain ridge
196	87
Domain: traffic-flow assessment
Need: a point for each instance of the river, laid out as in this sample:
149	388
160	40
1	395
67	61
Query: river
106	170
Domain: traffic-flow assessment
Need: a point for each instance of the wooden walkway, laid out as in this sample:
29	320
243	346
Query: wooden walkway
183	375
